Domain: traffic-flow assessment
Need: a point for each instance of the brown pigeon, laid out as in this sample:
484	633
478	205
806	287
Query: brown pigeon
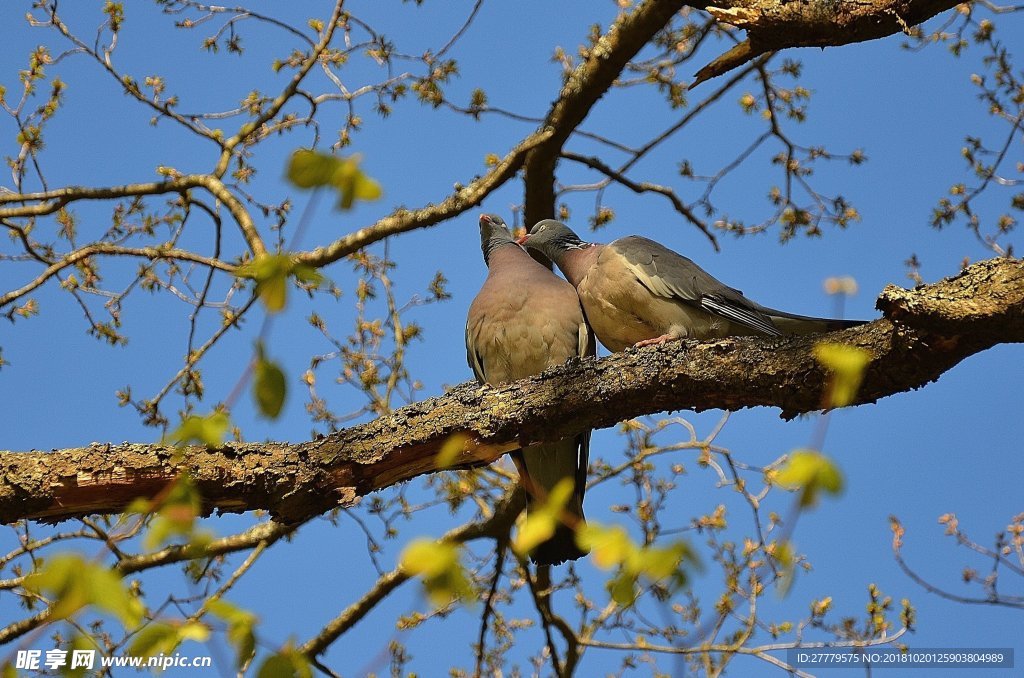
637	292
524	320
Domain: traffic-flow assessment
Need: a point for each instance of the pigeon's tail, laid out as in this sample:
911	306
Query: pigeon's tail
545	465
789	323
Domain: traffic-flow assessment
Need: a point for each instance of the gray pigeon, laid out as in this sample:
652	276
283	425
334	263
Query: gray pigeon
637	292
524	320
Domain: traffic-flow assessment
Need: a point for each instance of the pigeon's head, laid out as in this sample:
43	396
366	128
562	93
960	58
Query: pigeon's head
551	238
493	233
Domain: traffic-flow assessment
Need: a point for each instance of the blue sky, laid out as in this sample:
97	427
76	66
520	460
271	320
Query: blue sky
950	447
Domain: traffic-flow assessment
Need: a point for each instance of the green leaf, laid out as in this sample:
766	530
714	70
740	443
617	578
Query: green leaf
308	275
271	273
847	365
73	583
811	472
427	557
663	562
208	430
786	557
194	631
78	642
269	386
163	638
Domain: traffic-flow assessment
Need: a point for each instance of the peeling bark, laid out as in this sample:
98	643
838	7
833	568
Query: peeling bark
924	333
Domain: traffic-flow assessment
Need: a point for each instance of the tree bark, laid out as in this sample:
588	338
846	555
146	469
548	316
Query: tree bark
779	24
924	333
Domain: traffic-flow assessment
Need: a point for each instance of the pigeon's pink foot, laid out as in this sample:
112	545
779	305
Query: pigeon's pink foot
656	340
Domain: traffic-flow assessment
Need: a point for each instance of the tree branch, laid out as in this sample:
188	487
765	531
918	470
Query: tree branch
776	24
402	220
596	163
496	527
926	332
582	89
98	248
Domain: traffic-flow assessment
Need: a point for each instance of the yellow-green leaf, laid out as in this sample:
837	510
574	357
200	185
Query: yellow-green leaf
427	557
451	449
307	275
810	472
73	583
269	387
662	562
847	365
609	546
622	589
270	271
543	517
437	564
163	638
208	430
313	169
194	631
537	529
367	188
310	169
176	514
240	628
286	664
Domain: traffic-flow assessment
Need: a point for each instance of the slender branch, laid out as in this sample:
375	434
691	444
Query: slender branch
267	532
51	201
289	91
82	253
643	187
48	202
495	527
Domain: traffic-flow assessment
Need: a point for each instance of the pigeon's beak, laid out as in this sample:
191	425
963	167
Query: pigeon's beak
521	240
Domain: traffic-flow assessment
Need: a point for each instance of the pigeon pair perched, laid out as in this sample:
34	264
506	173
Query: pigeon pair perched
633	292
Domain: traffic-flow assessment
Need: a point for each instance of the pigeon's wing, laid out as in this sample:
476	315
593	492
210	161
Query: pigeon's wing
668	274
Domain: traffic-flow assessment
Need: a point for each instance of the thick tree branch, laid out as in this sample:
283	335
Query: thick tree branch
926	332
582	89
776	24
